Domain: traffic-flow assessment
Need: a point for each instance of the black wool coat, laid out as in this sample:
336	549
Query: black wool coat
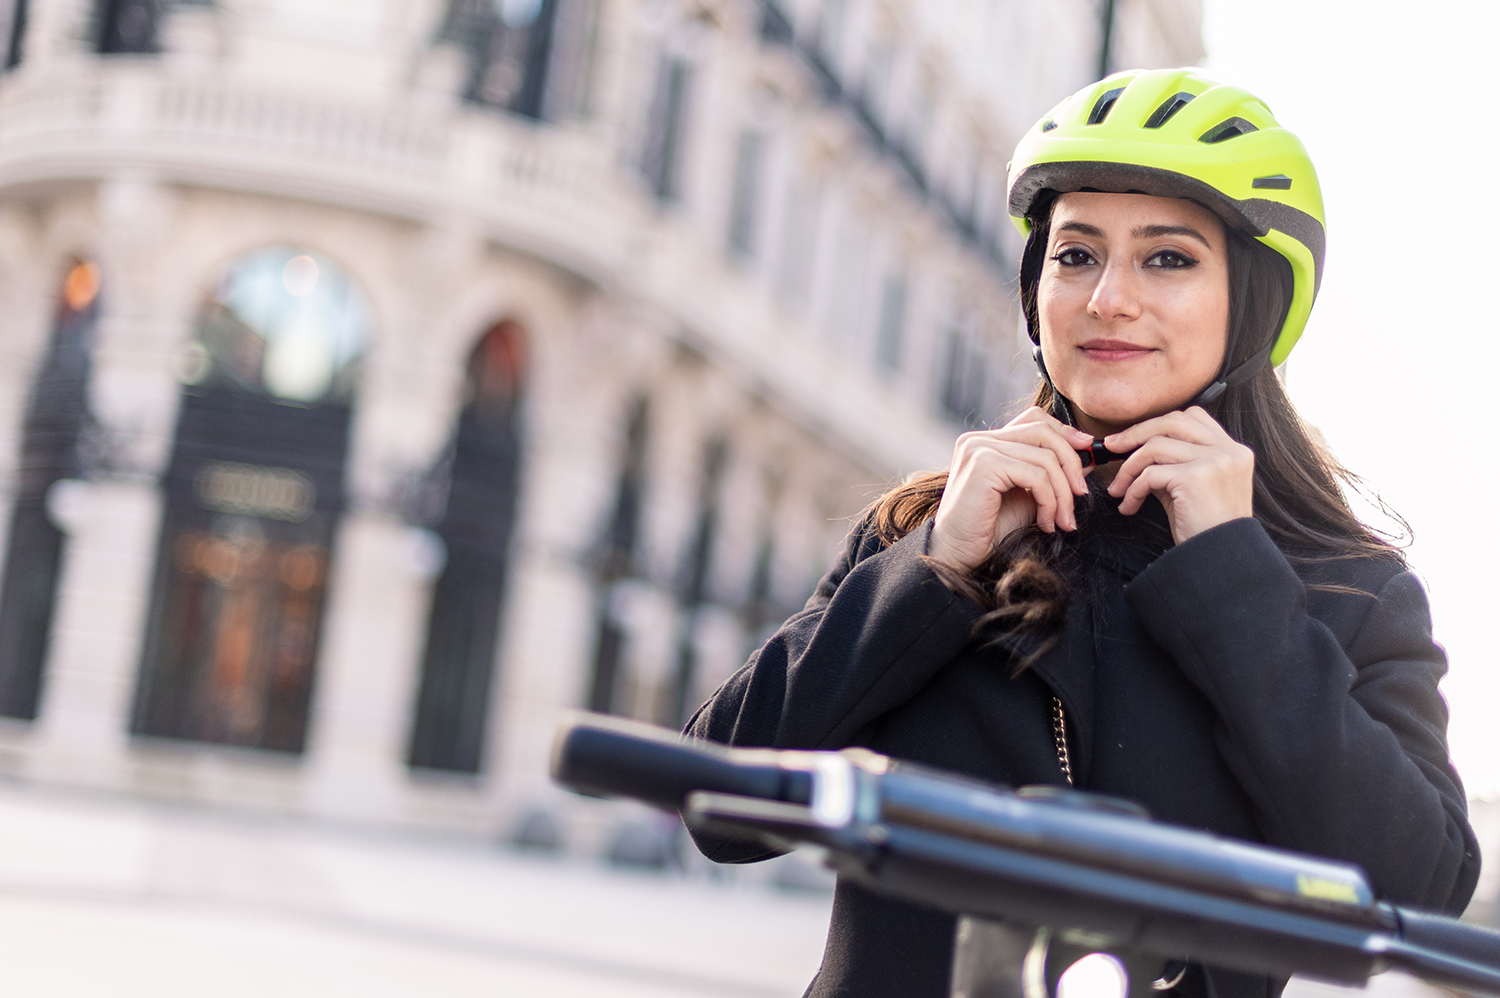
1212	681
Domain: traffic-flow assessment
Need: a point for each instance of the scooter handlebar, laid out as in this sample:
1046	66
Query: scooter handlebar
1470	942
1445	951
1073	862
610	757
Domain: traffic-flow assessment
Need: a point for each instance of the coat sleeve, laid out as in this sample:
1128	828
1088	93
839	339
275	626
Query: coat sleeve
877	628
1342	748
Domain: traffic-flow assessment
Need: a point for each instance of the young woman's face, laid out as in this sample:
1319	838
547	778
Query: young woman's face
1133	304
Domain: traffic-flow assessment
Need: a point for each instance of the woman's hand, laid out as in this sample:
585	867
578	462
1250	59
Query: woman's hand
1001	480
1201	475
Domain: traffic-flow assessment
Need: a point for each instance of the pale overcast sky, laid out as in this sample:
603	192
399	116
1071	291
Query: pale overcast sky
1399	105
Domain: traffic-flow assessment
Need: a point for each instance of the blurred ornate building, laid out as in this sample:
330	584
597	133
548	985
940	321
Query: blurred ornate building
382	377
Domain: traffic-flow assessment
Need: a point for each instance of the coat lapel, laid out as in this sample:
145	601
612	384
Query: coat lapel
1067	669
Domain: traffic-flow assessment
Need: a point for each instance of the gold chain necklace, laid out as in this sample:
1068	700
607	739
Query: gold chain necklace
1060	736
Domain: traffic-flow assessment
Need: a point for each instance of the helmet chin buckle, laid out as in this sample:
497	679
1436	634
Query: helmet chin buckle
1210	393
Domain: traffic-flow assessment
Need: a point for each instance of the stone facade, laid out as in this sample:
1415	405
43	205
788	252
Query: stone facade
753	257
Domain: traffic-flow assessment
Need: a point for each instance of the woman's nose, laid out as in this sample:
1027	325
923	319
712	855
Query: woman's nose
1117	295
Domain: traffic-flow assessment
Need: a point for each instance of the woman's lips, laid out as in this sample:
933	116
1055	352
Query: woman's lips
1113	350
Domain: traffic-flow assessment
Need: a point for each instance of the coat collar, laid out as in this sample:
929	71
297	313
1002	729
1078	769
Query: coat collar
1125	544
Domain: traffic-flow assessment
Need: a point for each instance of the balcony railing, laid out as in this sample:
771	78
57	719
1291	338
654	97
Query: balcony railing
559	193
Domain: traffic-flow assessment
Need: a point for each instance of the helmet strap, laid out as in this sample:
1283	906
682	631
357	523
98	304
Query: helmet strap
1240	374
1041	365
1250	366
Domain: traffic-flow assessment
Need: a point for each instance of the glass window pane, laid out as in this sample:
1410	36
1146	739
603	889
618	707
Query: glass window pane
287	323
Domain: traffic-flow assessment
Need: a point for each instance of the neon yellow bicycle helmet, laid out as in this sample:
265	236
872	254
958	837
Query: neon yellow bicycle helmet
1177	133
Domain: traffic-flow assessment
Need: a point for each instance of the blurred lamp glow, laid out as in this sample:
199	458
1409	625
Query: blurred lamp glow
81	286
1097	975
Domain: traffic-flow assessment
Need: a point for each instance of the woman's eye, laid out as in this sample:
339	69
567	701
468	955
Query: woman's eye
1073	258
1171	260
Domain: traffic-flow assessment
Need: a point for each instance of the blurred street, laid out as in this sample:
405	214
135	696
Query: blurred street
112	896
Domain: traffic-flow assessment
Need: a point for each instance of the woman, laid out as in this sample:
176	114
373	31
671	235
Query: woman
1204	626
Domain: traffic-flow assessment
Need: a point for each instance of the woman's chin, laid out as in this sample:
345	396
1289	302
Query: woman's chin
1117	415
1120	402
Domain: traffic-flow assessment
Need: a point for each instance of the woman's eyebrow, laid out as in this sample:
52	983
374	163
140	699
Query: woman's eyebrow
1083	228
1157	231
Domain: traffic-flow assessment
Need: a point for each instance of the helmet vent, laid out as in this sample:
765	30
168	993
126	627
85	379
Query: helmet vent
1229	128
1168	108
1048	125
1280	182
1104	105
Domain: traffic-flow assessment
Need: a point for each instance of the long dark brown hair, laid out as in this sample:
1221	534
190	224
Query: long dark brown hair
1299	486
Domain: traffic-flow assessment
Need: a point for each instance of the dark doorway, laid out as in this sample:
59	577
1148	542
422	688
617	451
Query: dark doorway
463	630
56	418
253	495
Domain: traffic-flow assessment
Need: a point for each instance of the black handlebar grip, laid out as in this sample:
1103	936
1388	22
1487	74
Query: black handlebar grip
1451	937
611	757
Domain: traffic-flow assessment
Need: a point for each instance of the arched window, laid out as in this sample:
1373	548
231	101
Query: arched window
127	26
616	564
56	418
476	526
15	34
694	594
253	494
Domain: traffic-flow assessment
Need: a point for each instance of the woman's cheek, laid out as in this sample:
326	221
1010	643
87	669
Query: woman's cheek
1212	337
